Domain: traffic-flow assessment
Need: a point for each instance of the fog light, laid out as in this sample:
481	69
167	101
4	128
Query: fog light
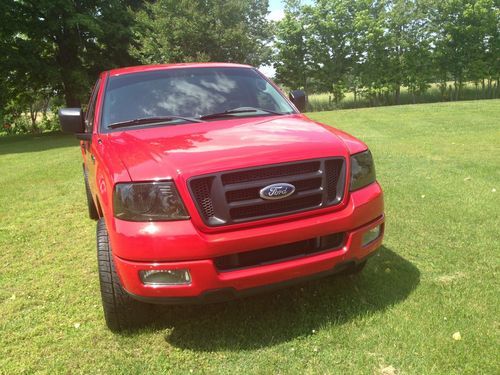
371	235
165	277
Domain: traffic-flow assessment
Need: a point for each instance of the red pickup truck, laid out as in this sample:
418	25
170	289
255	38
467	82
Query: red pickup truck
207	183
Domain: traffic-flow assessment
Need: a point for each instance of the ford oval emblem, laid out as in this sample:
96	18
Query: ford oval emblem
277	191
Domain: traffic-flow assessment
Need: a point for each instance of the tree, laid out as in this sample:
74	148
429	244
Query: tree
371	48
466	40
63	44
202	30
292	56
331	44
483	55
409	47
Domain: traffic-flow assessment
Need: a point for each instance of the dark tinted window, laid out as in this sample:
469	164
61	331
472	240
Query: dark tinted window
188	92
89	115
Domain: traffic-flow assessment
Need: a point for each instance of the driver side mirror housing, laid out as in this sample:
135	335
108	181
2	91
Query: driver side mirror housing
299	99
71	120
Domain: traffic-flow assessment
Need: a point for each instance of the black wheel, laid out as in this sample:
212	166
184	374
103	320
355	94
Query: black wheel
93	214
120	310
355	269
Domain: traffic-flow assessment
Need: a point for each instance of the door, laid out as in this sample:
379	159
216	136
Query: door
90	167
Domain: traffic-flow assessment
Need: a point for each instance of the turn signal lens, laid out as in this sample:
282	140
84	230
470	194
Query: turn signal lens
362	170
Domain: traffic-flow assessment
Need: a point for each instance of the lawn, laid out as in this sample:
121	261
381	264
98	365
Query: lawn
437	273
325	102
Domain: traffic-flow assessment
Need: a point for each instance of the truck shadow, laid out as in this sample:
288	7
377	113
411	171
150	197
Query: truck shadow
25	143
270	319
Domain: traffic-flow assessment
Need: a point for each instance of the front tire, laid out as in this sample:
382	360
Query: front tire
121	312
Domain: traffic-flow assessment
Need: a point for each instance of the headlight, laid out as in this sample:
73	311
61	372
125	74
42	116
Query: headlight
362	170
148	201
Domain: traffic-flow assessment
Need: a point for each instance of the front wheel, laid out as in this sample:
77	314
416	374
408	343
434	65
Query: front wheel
120	310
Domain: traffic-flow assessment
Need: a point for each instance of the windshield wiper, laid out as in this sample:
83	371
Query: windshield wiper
150	120
230	112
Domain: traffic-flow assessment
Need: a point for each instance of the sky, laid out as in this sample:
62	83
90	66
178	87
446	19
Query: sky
276	9
276	12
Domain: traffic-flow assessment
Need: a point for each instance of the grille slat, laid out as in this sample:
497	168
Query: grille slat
271	208
261	202
281	253
270	172
253	193
273	180
233	197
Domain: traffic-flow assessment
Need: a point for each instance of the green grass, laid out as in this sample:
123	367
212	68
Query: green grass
324	101
436	274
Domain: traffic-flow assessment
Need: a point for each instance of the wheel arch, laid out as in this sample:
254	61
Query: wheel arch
98	206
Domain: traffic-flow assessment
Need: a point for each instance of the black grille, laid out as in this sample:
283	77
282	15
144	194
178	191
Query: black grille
253	193
201	190
332	178
242	195
270	172
280	253
233	196
270	208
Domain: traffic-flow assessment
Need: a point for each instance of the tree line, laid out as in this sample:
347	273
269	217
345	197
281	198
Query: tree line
373	48
51	51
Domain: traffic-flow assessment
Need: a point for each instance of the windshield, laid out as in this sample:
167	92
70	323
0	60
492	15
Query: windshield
190	93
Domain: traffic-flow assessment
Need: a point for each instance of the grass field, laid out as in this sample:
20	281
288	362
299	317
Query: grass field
437	273
324	101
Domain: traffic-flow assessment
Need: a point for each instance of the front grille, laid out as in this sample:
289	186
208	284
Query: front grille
201	189
233	196
270	172
270	208
280	253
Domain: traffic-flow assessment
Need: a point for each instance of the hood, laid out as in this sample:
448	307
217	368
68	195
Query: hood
193	149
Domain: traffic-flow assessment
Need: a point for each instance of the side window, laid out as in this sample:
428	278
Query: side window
89	115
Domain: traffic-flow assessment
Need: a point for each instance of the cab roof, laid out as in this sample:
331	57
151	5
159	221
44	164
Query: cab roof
146	68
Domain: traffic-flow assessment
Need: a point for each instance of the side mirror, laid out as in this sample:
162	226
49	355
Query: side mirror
71	120
299	99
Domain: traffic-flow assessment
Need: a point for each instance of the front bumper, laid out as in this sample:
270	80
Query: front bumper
230	293
179	245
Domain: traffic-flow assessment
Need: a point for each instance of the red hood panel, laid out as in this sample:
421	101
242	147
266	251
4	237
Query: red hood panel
194	149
